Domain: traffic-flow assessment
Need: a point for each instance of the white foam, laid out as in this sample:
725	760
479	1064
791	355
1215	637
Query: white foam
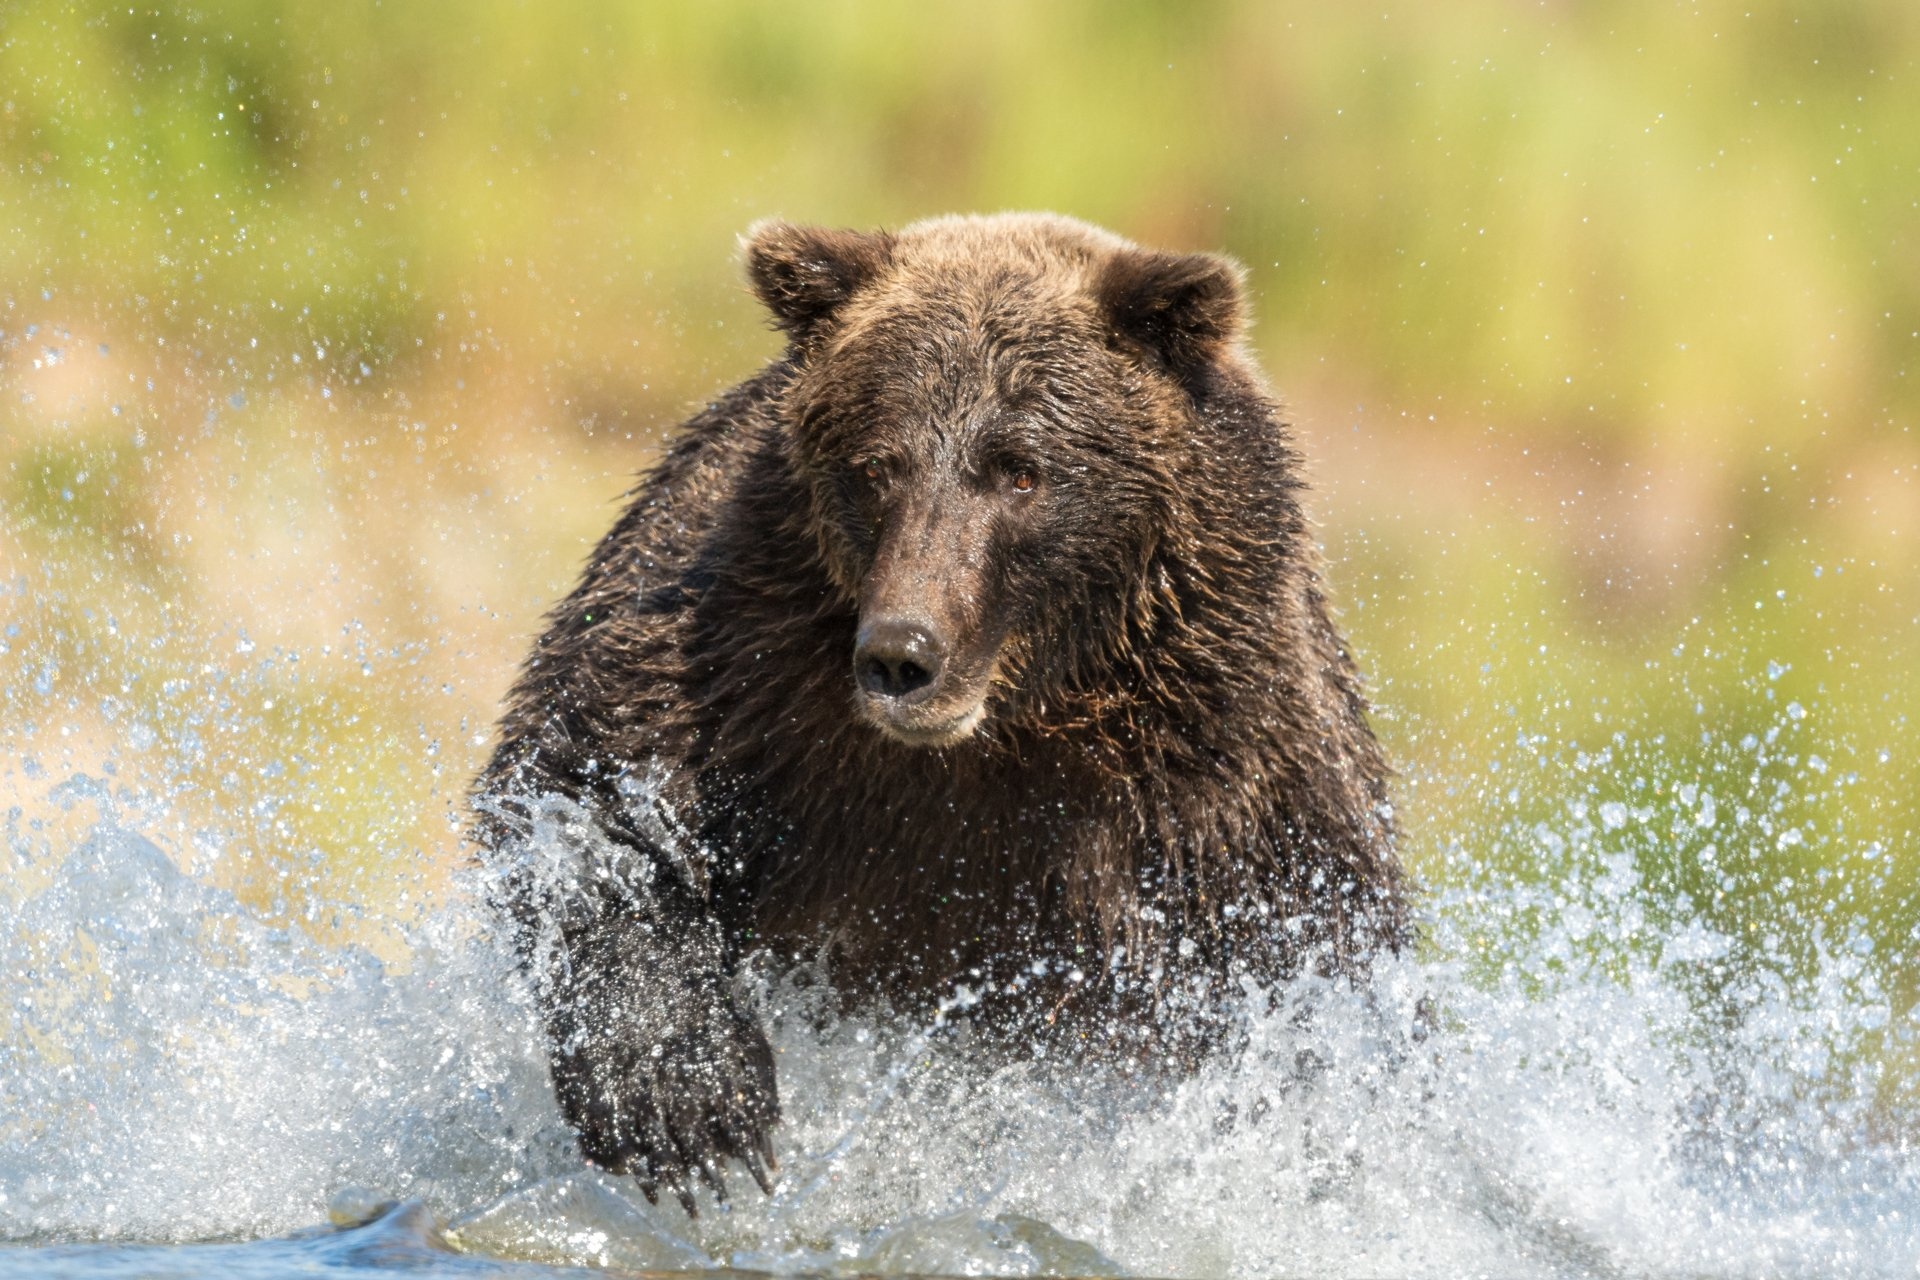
173	1068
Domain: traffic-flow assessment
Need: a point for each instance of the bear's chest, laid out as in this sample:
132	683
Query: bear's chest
922	872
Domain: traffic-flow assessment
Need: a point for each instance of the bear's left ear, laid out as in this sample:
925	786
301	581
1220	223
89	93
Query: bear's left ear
805	274
1182	307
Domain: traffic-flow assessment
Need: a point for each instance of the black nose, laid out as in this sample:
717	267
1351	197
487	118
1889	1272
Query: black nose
897	659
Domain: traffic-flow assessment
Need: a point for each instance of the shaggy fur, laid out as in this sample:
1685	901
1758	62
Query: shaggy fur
1145	758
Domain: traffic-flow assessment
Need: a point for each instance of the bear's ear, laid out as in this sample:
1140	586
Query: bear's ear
805	274
1182	307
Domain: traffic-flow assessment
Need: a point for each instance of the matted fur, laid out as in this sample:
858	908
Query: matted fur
1173	776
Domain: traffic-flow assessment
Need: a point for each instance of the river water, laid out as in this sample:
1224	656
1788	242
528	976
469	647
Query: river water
1617	1088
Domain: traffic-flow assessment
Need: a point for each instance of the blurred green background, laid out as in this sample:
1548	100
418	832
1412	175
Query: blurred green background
331	334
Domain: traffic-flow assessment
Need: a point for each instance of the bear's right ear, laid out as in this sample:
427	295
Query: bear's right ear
805	274
1183	307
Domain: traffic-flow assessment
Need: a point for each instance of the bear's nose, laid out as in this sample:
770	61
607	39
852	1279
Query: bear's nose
894	658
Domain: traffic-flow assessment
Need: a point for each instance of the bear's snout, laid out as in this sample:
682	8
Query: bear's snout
912	684
898	659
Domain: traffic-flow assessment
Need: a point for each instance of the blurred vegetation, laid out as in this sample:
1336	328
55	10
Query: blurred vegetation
330	333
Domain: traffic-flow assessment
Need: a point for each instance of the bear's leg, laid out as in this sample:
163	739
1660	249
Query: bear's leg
655	1063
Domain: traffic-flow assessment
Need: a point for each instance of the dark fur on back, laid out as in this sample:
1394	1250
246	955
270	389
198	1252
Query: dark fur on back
1168	772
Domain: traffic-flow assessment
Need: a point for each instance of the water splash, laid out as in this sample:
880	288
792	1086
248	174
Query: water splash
176	1068
1612	1087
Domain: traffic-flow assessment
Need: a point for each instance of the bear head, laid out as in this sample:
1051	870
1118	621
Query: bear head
994	419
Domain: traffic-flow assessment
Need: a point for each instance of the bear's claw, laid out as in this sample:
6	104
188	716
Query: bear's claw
674	1111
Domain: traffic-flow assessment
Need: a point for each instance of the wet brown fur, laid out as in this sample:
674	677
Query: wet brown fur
1174	775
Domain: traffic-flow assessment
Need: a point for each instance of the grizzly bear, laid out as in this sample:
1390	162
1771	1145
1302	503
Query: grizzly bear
973	650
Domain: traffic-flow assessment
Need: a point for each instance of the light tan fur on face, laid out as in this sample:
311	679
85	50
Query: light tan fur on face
920	731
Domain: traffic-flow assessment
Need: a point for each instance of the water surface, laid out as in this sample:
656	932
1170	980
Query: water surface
1615	1089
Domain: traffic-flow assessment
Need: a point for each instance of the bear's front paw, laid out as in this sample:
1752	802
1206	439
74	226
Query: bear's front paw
676	1107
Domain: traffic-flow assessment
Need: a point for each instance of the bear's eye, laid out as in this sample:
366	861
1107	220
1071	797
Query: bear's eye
1021	478
868	468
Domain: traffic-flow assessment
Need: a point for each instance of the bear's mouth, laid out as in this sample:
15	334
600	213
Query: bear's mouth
942	713
916	685
922	725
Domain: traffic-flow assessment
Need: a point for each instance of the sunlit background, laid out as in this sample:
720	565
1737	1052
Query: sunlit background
330	336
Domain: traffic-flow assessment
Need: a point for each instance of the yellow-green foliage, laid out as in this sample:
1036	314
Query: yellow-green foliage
331	331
